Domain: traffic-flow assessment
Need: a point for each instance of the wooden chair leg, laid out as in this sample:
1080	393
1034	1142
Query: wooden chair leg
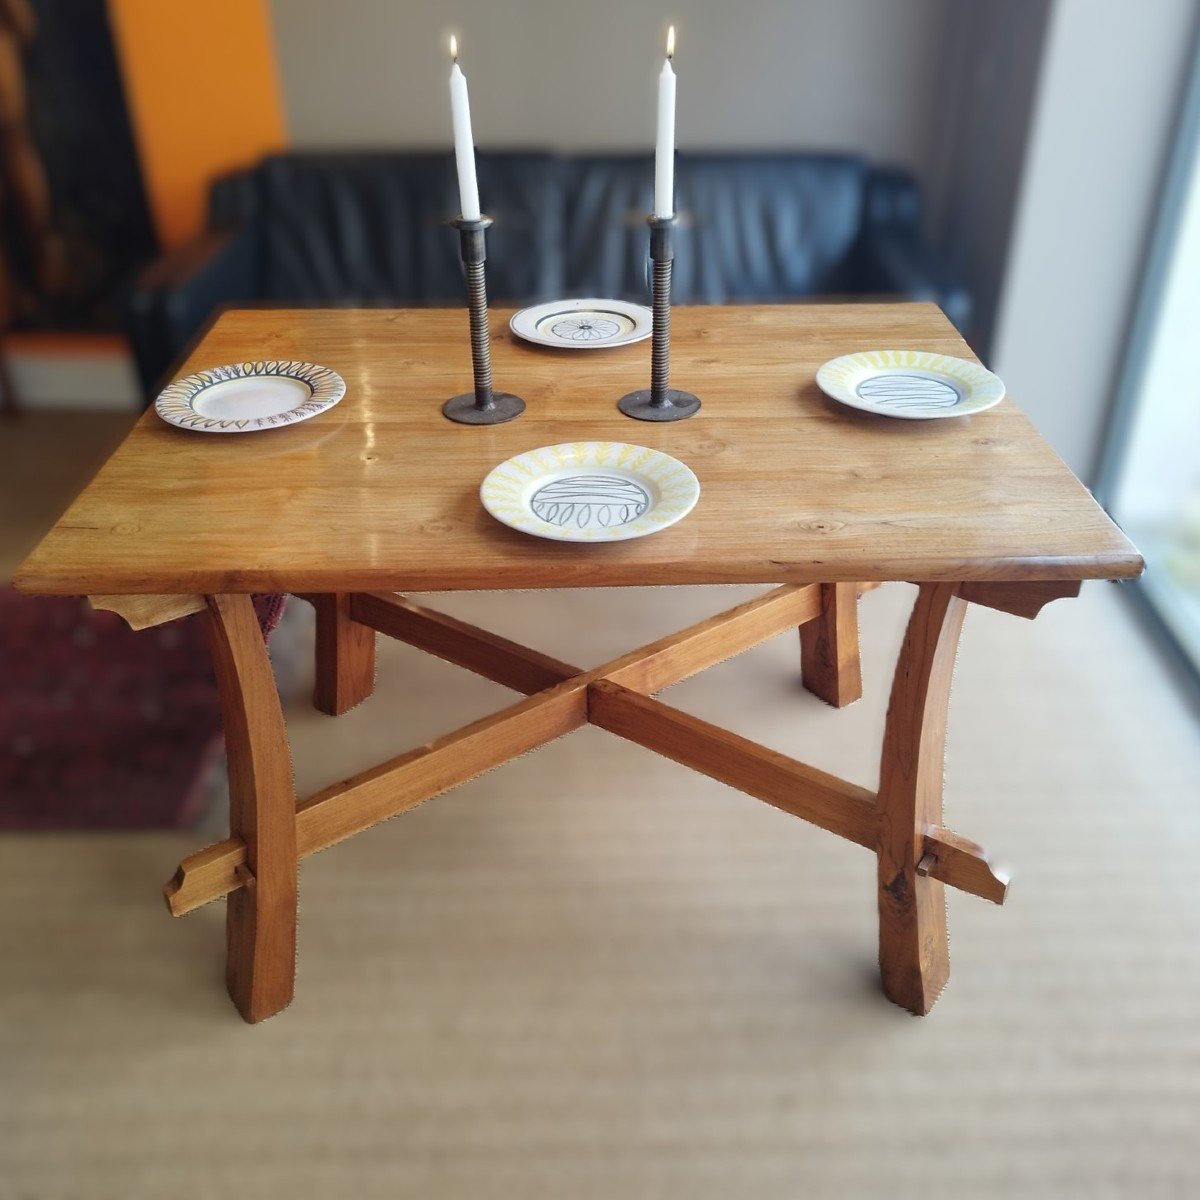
914	956
261	916
345	656
829	659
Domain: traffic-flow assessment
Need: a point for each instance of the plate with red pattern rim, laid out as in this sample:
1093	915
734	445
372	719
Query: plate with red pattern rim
589	324
249	397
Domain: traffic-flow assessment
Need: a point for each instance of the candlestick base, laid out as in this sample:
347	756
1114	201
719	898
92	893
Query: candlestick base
466	410
483	406
660	401
676	406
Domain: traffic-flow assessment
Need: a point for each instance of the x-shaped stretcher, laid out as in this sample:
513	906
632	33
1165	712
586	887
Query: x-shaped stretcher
256	866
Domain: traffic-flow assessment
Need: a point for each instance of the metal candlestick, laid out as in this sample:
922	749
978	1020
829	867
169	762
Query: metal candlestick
483	406
660	401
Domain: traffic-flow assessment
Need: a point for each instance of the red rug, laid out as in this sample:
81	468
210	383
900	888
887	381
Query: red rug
101	727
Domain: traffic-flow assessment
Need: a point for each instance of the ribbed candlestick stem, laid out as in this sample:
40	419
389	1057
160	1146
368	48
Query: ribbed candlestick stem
485	406
481	342
660	402
660	351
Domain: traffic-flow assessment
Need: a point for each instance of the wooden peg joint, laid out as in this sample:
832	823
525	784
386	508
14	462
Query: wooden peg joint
963	864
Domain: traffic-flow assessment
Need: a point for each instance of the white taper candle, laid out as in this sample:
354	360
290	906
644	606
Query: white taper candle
464	143
664	150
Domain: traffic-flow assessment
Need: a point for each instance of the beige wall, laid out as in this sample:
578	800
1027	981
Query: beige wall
1103	120
855	74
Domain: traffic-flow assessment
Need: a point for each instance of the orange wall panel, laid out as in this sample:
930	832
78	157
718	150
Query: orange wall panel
203	92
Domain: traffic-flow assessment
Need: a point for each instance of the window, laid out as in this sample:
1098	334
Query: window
1150	477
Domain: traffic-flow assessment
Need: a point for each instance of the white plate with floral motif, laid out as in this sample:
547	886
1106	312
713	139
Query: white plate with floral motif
589	324
250	396
913	385
590	492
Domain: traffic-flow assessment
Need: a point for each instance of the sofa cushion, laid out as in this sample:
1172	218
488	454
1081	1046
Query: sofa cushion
523	194
608	197
375	228
770	226
338	228
754	226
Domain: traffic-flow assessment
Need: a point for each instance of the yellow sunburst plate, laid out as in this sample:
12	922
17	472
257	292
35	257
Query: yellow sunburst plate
913	385
590	492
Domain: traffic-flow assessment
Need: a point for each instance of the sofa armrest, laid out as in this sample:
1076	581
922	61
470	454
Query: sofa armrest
895	261
174	296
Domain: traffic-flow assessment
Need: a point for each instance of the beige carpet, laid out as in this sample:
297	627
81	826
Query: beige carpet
595	974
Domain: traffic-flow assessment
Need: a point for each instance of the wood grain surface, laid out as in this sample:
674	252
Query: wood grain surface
381	492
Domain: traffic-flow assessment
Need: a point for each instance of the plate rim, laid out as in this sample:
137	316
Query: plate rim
639	313
173	403
619	533
985	385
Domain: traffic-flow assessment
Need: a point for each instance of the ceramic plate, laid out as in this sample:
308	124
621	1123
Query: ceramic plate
583	324
590	492
911	384
245	397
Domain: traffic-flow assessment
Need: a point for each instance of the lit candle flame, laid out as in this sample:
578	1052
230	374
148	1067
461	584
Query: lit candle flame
671	42
454	47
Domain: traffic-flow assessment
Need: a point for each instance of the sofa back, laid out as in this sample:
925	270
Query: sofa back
750	226
373	228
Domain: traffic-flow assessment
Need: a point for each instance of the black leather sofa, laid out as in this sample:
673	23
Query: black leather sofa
370	229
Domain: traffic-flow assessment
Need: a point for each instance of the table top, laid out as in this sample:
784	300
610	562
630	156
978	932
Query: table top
382	492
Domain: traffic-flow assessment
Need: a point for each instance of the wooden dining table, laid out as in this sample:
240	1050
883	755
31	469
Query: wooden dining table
379	496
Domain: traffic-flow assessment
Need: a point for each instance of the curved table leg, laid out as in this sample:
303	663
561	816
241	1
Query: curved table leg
913	953
260	916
